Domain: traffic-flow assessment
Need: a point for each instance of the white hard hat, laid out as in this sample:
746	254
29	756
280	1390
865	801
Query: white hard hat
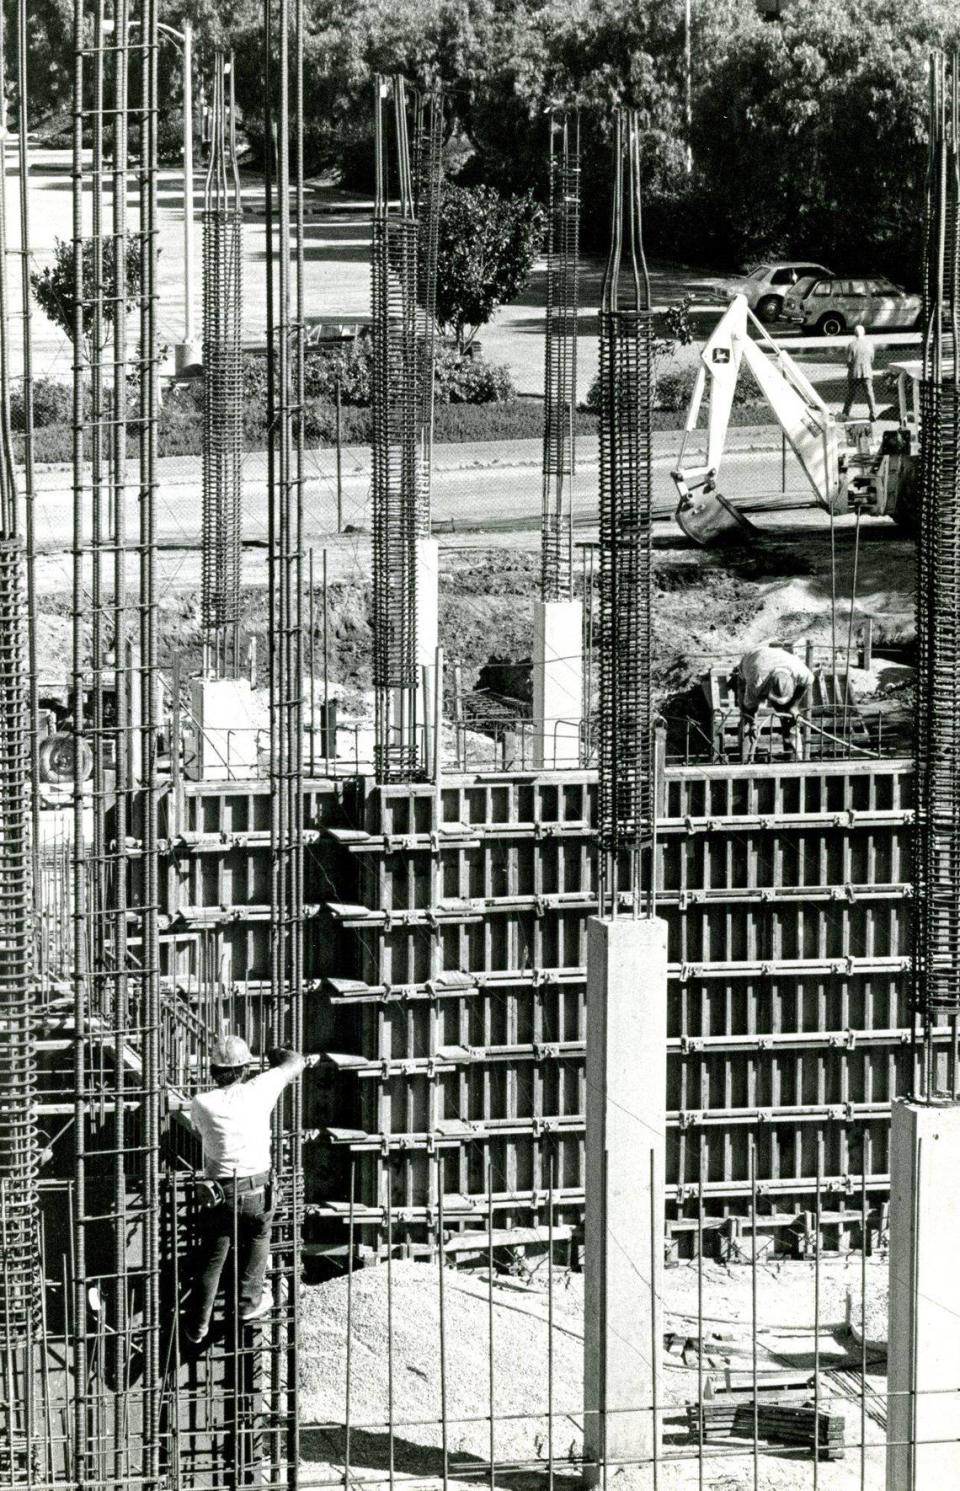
230	1050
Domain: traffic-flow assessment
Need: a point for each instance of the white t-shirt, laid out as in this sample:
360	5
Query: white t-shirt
234	1122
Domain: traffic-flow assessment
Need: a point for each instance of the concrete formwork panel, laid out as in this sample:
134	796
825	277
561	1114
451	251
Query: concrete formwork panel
445	957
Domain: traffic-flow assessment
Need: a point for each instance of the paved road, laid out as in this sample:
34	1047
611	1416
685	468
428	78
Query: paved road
482	494
474	487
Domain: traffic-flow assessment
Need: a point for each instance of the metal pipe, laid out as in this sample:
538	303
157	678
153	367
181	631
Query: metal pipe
188	224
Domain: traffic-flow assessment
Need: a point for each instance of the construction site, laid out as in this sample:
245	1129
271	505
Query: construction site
630	1140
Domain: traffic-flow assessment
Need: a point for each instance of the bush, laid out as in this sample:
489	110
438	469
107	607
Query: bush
674	389
52	404
470	380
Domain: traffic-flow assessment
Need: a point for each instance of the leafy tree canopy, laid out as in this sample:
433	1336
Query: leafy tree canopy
486	247
54	288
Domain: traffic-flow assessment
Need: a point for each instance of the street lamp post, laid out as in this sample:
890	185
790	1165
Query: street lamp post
188	242
188	354
688	85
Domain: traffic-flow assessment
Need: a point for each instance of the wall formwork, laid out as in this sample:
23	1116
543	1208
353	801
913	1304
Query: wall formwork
445	951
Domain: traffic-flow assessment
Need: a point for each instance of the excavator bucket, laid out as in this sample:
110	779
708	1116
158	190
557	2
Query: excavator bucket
709	519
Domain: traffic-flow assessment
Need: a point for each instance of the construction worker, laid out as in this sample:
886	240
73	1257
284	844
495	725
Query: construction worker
233	1121
859	372
773	677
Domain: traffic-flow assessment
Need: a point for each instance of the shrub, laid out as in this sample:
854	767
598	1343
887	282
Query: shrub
674	388
52	404
470	380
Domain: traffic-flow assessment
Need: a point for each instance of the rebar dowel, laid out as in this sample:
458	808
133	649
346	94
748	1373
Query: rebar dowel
560	357
625	714
936	843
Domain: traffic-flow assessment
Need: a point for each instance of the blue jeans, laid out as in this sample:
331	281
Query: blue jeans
253	1219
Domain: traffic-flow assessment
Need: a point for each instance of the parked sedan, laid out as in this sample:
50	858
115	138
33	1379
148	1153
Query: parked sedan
833	306
765	287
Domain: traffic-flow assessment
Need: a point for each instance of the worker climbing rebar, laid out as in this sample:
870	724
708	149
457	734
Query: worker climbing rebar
773	677
233	1121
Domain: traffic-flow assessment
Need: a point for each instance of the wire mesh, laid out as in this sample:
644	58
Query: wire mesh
936	921
625	714
222	380
560	358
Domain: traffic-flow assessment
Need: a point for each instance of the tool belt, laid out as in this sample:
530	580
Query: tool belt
211	1193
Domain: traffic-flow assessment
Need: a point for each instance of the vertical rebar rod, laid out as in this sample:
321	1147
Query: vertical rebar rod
391	1447
149	911
700	1322
441	1296
864	1243
80	992
816	1317
348	1345
753	1314
327	742
312	631
490	1313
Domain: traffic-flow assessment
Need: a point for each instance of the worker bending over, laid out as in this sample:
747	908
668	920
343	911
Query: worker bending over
233	1121
773	677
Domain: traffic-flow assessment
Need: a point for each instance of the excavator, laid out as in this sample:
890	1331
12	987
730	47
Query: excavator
869	476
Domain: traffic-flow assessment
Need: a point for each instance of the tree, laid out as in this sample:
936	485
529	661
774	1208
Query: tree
486	247
809	135
54	288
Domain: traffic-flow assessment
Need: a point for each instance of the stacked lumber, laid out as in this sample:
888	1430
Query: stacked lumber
777	1422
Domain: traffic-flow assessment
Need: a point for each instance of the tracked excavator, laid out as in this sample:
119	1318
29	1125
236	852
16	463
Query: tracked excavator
874	475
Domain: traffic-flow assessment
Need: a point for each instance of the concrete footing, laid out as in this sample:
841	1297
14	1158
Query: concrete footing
626	1066
923	1332
227	729
557	683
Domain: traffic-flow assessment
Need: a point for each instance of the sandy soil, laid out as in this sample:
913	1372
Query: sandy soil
709	607
522	1429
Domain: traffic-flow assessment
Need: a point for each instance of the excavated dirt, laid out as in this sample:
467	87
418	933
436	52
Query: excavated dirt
786	1343
708	606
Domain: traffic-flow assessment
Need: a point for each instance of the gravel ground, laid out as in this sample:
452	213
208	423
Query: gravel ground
520	1370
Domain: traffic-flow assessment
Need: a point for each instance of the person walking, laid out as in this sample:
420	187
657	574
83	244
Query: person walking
859	372
233	1121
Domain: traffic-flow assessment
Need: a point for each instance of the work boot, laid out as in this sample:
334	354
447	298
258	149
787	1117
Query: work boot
257	1311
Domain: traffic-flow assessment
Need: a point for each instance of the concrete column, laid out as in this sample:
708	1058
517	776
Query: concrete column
227	729
923	1332
557	682
626	1077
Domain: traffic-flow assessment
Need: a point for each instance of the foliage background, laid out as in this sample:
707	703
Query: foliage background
807	133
